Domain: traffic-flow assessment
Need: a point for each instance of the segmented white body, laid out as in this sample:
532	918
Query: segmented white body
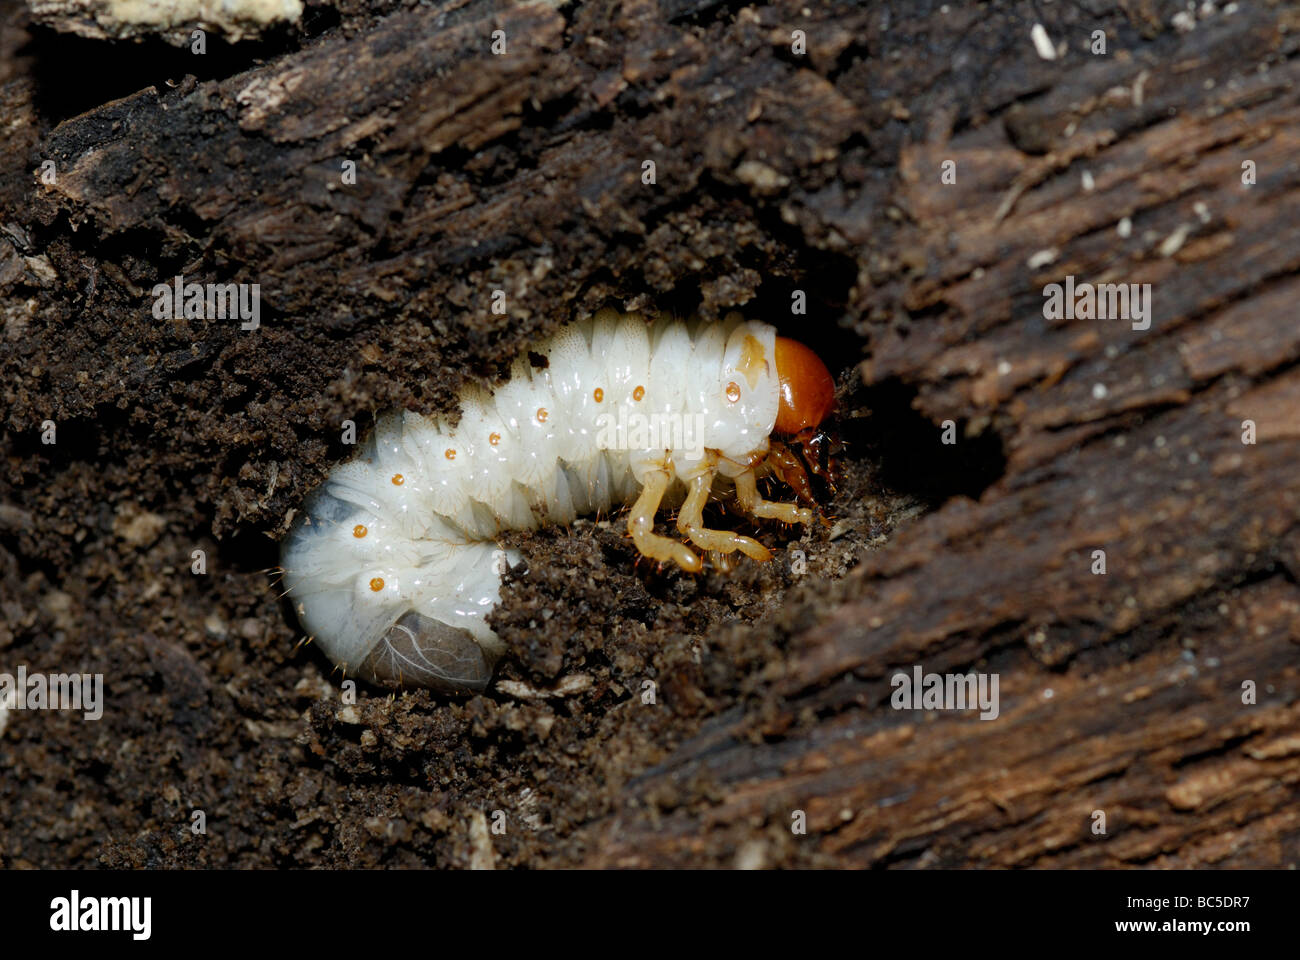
392	564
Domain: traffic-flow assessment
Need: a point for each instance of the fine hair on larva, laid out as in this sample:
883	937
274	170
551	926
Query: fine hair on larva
393	565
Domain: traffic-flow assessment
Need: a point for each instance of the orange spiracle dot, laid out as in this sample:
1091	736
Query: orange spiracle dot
599	394
398	479
450	454
376	584
542	414
733	391
638	393
359	531
494	438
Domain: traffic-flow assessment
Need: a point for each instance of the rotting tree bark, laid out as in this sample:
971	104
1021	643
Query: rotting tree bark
1120	692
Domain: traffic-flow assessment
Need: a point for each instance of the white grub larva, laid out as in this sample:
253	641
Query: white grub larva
392	563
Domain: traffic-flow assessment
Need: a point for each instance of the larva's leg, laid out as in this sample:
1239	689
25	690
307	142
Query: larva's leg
750	501
641	524
690	521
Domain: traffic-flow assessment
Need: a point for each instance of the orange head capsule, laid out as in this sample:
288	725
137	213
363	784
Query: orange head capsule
807	390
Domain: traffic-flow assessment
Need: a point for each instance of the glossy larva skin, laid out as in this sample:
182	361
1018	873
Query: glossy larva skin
392	564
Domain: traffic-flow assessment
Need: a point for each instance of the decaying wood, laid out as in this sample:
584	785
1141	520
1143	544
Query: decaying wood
179	22
1120	692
